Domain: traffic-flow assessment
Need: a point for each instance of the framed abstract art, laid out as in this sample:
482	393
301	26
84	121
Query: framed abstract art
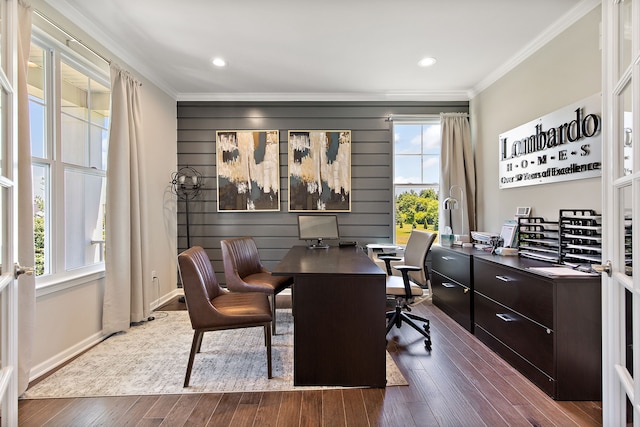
320	170
248	170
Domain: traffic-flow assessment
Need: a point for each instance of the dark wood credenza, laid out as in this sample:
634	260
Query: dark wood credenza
548	328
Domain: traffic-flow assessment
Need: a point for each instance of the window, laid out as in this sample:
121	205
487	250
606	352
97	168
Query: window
416	178
69	120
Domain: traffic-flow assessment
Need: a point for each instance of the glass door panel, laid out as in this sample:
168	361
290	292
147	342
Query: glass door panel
625	44
625	129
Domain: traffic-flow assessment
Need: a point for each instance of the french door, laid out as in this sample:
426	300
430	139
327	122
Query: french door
621	210
8	216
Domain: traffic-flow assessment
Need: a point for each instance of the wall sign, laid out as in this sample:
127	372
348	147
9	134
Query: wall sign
561	146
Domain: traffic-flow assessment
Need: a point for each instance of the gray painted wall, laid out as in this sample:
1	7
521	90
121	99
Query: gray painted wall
371	216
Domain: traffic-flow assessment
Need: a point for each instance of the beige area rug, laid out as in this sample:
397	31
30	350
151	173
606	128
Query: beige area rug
152	359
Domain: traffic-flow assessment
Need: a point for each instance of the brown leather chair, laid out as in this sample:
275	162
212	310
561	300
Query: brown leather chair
411	286
244	272
212	308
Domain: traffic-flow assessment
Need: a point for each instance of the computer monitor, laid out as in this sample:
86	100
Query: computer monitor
317	228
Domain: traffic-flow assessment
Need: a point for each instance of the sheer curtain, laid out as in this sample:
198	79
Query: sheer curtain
26	256
457	167
126	297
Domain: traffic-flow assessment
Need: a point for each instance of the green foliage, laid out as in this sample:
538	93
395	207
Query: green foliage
38	234
417	208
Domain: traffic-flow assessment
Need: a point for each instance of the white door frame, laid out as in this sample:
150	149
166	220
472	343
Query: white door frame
8	214
621	208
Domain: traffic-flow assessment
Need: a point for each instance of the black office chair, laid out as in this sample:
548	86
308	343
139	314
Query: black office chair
412	285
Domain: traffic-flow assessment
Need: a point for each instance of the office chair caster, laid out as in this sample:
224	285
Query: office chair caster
427	344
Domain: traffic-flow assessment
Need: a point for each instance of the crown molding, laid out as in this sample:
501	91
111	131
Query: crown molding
429	96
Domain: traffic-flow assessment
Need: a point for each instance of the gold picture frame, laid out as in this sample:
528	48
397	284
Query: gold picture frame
319	170
248	170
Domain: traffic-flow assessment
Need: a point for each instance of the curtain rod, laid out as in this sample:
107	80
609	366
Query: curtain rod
71	37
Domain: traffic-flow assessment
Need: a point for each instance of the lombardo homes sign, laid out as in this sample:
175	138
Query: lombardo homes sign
561	146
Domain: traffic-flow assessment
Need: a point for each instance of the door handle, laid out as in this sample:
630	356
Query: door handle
503	278
18	270
607	267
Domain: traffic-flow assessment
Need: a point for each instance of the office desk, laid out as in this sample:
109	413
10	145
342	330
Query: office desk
338	310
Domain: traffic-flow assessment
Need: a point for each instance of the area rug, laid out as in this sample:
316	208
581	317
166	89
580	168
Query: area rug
152	359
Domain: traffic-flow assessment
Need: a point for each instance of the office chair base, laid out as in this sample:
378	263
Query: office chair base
398	317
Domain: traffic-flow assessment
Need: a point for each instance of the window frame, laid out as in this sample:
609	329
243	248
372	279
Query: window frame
431	119
60	277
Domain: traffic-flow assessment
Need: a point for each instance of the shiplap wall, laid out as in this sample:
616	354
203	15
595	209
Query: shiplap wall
371	216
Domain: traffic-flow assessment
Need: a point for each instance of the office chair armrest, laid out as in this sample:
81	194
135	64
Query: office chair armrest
387	261
407	268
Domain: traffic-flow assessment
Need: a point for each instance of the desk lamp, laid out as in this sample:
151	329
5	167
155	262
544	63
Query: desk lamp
451	203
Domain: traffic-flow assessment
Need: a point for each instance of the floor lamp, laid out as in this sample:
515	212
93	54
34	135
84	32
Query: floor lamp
186	184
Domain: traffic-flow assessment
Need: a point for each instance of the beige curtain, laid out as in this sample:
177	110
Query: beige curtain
126	297
457	167
26	256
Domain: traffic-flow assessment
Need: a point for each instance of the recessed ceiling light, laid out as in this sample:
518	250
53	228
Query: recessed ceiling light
427	62
219	62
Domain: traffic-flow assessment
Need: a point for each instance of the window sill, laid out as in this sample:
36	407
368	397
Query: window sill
59	282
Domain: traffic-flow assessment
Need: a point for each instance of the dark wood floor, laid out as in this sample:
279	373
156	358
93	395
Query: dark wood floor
460	383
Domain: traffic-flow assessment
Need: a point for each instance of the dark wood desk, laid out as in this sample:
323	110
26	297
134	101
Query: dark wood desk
339	322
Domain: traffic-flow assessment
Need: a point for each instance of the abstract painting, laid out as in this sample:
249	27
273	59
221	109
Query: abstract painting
248	170
320	170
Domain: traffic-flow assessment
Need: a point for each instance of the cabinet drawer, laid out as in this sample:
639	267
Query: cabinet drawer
453	298
451	264
528	339
530	296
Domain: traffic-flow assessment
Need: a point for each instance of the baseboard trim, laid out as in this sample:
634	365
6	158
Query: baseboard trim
63	357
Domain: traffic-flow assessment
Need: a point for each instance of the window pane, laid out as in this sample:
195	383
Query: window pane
100	104
98	148
84	225
36	73
407	139
74	141
431	169
431	139
37	127
75	91
407	170
626	130
41	217
36	88
625	36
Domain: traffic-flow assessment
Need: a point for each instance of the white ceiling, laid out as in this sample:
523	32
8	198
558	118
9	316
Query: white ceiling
322	49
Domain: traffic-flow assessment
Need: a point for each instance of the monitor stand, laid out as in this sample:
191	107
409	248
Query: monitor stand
319	245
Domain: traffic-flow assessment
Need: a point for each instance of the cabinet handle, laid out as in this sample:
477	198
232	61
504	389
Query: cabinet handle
448	285
466	290
503	278
448	258
505	317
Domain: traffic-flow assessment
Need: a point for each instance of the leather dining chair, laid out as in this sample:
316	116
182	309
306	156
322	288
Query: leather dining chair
244	272
212	308
412	284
